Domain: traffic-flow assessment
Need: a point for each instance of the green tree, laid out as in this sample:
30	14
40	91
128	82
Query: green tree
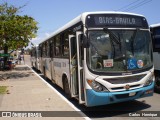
15	30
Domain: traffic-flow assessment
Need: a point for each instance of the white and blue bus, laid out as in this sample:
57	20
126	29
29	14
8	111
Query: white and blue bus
155	31
100	58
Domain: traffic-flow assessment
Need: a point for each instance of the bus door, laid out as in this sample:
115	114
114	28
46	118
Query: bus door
73	66
76	70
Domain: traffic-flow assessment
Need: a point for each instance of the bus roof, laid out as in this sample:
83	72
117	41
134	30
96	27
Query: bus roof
155	25
82	18
110	12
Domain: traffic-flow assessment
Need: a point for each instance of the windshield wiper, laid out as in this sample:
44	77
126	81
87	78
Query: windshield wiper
114	39
133	39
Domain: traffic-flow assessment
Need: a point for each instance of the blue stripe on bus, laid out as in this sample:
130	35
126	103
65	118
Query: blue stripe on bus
102	98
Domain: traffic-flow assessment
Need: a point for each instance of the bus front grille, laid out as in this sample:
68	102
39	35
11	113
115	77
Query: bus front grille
124	80
122	88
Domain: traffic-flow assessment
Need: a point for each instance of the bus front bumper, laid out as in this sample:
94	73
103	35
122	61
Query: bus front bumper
102	98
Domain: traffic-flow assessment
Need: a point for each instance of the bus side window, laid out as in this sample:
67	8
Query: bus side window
48	49
57	46
65	45
43	50
51	48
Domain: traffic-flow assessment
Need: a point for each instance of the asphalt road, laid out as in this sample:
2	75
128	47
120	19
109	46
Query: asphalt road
126	110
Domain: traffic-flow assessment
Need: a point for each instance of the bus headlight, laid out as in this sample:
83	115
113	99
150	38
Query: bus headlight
96	86
149	81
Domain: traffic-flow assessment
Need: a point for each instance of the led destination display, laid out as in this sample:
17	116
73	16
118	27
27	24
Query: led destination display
113	20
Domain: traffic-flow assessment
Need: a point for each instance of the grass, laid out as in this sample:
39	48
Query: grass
3	89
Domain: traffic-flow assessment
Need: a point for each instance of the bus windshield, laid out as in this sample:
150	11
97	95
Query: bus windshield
119	50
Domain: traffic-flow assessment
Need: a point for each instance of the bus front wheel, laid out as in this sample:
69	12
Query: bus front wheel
66	88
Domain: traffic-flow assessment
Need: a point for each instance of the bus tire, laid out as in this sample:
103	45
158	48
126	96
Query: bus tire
66	88
157	84
44	72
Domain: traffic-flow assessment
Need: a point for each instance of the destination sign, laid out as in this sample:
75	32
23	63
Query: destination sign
116	20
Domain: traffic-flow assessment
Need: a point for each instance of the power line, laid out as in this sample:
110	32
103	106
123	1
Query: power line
128	5
138	5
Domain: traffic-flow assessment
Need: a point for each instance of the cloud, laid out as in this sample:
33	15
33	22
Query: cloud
36	40
47	34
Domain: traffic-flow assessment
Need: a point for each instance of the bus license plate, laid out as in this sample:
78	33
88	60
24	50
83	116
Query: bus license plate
132	94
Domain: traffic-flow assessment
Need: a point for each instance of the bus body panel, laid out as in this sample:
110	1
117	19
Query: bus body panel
40	65
138	90
118	87
53	70
48	68
155	32
156	59
103	98
61	67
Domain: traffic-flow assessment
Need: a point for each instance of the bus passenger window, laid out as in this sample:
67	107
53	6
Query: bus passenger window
65	45
58	46
57	51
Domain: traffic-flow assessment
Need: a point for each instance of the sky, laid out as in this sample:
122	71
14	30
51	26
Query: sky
53	14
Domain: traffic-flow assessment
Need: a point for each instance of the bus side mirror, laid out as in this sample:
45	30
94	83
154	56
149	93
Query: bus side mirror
85	41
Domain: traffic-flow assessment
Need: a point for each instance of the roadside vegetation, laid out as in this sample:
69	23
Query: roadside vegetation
3	90
16	30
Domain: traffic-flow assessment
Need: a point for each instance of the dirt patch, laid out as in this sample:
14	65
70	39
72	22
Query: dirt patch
21	68
13	75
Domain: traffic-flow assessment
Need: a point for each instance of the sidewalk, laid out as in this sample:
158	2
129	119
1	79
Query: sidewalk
27	92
